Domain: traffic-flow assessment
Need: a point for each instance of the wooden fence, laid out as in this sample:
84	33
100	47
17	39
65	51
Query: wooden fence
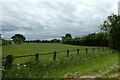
9	58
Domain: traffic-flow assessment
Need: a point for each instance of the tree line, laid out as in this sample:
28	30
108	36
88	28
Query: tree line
93	39
44	41
19	39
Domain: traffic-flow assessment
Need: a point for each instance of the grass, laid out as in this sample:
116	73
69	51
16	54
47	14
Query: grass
99	64
33	48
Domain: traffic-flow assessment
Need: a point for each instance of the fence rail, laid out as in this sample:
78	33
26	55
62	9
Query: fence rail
9	58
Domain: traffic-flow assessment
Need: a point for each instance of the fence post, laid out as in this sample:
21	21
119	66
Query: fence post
78	51
37	56
54	58
9	61
86	50
67	53
93	50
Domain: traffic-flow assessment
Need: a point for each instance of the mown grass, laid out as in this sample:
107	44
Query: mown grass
33	48
98	63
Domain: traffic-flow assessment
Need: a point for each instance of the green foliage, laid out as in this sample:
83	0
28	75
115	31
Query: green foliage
67	38
18	38
112	26
55	41
43	41
5	42
94	39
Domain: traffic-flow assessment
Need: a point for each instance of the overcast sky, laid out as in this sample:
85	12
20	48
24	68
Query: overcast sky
45	20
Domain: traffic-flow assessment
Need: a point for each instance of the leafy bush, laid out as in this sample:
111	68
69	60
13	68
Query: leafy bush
94	39
6	42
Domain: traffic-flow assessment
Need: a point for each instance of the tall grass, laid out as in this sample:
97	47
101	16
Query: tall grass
48	68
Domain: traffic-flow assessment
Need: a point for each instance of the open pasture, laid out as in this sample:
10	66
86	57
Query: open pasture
101	63
41	48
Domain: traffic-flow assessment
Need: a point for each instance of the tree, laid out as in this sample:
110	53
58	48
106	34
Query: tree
55	41
112	26
67	38
18	38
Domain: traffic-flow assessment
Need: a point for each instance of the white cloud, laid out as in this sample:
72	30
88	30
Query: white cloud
43	20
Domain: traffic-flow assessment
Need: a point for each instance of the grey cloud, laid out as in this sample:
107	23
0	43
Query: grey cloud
45	20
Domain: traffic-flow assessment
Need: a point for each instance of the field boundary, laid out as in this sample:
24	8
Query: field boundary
9	58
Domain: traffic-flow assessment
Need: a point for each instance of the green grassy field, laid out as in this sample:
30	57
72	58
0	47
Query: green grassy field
24	49
36	48
103	64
